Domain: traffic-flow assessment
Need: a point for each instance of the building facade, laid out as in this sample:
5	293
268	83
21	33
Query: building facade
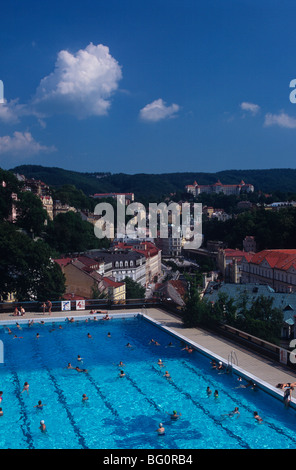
218	187
276	268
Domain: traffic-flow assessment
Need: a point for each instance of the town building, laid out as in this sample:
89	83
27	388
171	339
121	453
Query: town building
59	208
249	244
276	268
218	187
151	253
84	278
129	197
123	263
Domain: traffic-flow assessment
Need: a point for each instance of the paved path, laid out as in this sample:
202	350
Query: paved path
267	370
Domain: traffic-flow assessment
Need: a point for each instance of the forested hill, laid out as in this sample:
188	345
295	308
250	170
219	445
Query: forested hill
155	186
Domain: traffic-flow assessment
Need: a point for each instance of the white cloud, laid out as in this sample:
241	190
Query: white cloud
250	107
11	111
158	110
22	144
81	83
281	120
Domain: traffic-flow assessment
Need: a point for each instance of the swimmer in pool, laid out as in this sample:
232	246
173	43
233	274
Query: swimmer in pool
257	417
233	413
40	405
122	374
209	391
167	375
160	363
161	429
288	395
175	415
84	398
42	426
26	387
80	370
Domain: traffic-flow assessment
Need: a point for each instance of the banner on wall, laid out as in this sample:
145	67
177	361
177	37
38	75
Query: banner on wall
80	304
66	305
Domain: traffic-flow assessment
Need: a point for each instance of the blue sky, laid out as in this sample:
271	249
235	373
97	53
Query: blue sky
156	86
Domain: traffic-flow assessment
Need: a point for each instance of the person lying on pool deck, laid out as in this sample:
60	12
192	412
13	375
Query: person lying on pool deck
291	384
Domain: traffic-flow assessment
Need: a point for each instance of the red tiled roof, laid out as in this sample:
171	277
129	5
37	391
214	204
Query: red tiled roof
280	259
109	282
63	261
73	297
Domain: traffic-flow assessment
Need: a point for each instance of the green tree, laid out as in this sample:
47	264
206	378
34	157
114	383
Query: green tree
264	320
26	267
68	233
31	215
8	185
133	290
195	309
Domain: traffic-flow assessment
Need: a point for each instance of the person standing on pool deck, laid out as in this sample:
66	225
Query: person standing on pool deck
49	304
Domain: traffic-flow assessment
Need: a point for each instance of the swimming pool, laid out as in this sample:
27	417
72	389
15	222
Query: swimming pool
124	413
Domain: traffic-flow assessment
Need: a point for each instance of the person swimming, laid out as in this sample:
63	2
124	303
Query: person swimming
40	405
257	417
161	429
175	415
42	426
80	370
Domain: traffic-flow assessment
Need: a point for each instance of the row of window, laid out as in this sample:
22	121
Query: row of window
268	273
126	264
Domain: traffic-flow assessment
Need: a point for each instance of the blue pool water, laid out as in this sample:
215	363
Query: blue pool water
124	413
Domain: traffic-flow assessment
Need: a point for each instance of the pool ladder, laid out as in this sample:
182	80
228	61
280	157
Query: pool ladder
232	359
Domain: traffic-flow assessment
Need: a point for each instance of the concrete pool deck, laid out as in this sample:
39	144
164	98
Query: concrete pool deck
265	369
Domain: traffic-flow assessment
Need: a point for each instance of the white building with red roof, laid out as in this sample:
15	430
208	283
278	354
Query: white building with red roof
277	268
218	187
